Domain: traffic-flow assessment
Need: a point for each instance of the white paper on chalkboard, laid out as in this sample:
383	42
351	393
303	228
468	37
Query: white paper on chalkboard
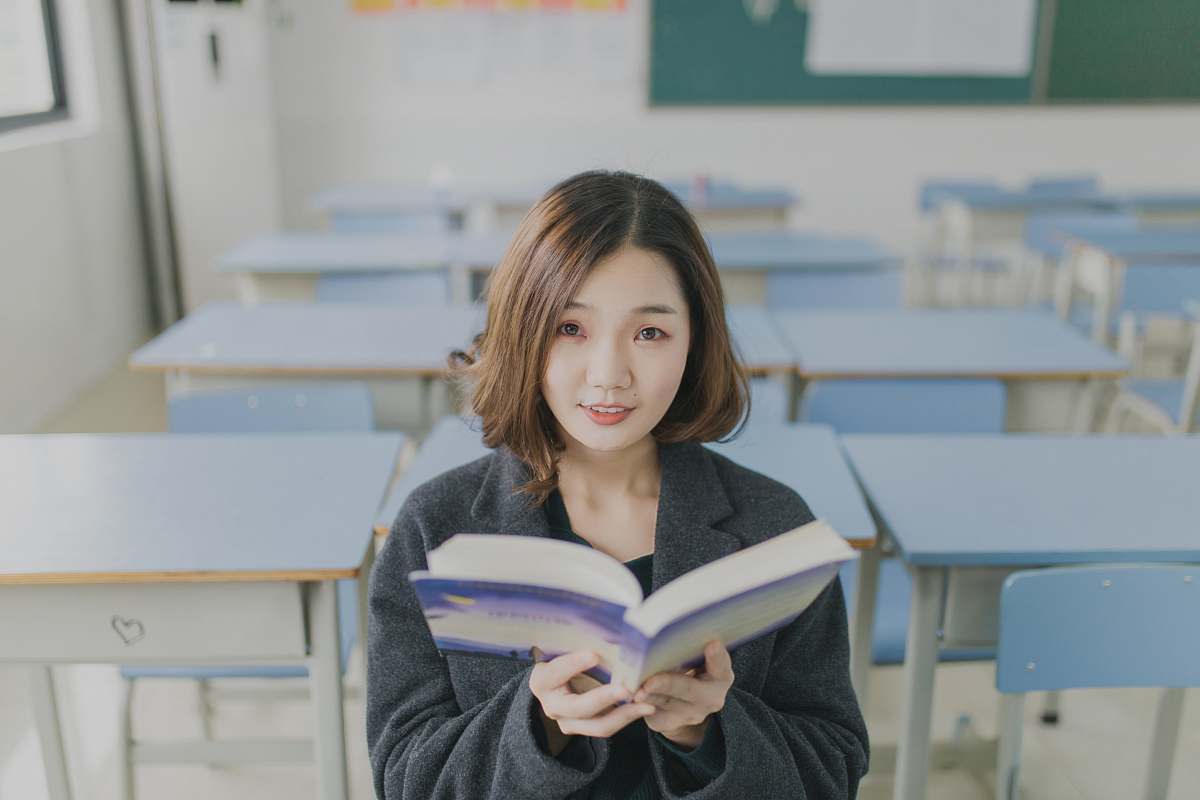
921	37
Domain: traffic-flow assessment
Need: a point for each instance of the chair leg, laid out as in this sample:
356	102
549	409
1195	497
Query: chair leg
1052	708
1008	757
127	789
1112	420
1162	746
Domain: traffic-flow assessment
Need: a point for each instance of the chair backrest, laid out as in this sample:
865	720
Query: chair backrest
322	407
391	222
917	405
410	287
1063	184
1099	625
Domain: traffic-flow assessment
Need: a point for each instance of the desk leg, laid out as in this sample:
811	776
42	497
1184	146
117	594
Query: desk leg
862	625
920	660
45	709
325	674
1162	746
1086	404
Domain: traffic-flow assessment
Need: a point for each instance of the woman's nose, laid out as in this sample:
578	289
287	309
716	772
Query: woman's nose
608	367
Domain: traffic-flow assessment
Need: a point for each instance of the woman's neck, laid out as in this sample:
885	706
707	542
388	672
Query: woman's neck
596	476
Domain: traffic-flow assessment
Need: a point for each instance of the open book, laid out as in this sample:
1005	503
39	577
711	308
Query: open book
499	595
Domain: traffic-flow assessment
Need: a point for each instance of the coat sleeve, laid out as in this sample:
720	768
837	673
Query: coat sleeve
422	745
803	736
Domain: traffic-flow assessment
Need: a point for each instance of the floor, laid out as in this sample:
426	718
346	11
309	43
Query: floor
1098	751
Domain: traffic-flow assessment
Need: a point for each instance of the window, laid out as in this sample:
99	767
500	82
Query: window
32	88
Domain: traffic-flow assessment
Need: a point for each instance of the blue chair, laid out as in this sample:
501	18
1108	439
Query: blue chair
394	222
1168	405
325	407
410	287
1113	625
830	289
924	405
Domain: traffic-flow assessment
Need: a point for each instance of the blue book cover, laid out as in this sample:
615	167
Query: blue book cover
501	596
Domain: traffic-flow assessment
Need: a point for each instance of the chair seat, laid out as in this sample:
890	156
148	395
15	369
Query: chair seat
892	600
1165	393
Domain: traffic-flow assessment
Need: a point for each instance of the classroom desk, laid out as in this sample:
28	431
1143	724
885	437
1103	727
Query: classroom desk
1163	206
186	549
285	266
225	345
1051	372
716	205
805	457
1098	263
998	215
750	261
978	507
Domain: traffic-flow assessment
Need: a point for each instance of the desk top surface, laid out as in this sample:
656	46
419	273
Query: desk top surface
807	458
1016	499
1165	241
327	252
954	343
361	339
983	198
715	195
307	338
84	508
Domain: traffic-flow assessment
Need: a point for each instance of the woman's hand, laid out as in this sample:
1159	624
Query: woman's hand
568	710
684	702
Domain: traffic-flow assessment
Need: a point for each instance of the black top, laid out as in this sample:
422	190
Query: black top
629	773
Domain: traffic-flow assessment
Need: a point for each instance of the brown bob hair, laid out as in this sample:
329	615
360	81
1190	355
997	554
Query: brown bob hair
576	225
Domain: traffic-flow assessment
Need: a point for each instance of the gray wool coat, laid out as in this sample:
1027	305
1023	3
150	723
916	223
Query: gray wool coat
462	727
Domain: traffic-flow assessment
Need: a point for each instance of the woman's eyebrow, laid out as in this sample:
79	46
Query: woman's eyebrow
657	308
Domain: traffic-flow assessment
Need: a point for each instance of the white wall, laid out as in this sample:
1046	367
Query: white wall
393	96
73	296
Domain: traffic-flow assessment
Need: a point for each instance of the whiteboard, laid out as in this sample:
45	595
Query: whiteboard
25	85
992	38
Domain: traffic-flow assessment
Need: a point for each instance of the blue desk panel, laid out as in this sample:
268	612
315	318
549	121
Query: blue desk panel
976	343
317	338
1014	500
127	504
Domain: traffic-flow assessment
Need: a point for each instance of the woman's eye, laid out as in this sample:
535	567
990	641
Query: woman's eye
650	334
568	329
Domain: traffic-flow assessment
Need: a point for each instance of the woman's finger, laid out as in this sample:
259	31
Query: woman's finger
550	675
586	705
675	685
606	725
717	664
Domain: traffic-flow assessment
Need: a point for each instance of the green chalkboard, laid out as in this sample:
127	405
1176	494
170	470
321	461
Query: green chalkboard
1118	50
710	52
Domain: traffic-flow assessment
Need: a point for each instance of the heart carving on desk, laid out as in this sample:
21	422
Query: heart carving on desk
131	631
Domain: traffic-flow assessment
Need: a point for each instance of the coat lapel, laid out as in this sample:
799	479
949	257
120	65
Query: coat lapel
691	501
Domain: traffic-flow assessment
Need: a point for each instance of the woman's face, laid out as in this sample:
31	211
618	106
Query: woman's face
619	352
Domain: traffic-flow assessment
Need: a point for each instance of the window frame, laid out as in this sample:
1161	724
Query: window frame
61	110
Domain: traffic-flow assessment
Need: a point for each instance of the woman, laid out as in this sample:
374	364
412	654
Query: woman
604	363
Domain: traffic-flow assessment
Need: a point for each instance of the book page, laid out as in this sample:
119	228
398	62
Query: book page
782	556
735	620
536	561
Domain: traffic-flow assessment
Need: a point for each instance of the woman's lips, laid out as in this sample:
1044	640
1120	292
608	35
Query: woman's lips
606	417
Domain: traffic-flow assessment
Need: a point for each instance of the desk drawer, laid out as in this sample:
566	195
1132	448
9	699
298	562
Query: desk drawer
153	622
